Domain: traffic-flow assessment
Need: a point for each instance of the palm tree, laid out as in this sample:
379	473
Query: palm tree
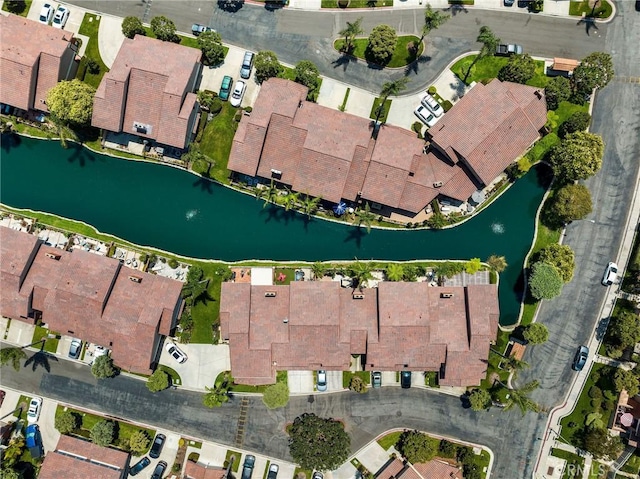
497	263
269	194
390	88
489	43
350	33
192	291
395	272
290	200
365	216
310	205
432	19
520	397
12	356
360	273
513	364
318	269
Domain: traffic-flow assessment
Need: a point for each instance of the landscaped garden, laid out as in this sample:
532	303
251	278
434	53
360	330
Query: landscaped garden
92	68
487	68
50	343
355	3
404	53
17	7
590	8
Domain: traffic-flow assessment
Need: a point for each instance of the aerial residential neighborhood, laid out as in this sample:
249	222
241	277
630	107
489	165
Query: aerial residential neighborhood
319	239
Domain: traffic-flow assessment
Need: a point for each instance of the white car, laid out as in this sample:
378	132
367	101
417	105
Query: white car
34	409
238	93
46	14
432	105
425	115
321	383
61	17
610	274
175	353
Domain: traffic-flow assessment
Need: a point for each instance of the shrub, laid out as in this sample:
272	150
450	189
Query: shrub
596	403
139	442
557	90
103	367
132	26
193	457
595	392
382	44
545	281
276	395
447	449
158	381
66	422
103	432
579	121
173	263
248	109
431	90
447	105
357	384
267	65
93	66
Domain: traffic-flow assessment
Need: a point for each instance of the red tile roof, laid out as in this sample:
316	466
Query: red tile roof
437	469
318	325
91	297
33	59
197	471
79	459
564	64
491	126
391	470
151	83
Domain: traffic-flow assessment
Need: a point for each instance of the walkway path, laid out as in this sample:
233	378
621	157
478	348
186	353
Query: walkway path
110	38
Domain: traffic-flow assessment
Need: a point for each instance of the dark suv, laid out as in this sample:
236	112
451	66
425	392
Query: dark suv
405	379
159	470
156	449
247	468
139	466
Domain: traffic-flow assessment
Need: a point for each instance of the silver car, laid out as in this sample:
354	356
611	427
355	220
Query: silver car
321	383
425	116
432	105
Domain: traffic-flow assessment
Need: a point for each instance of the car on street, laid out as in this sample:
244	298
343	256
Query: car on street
581	358
321	381
238	93
405	379
61	17
610	274
75	348
432	105
33	441
247	467
158	472
34	409
197	29
156	448
176	353
376	379
139	466
225	87
273	471
425	115
506	49
247	63
46	14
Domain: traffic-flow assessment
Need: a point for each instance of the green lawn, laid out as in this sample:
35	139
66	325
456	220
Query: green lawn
24	401
50	344
494	360
289	273
389	440
357	4
487	68
173	374
185	41
236	460
633	464
347	375
385	109
602	10
401	56
89	27
217	140
17	7
301	473
281	377
205	313
566	109
574	462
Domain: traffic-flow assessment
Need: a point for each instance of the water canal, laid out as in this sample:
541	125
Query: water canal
171	209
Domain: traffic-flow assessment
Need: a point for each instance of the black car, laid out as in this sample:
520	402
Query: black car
156	449
159	470
247	468
139	466
405	379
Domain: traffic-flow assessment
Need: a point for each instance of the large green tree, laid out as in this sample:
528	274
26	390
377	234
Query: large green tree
625	328
103	367
577	157
132	26
307	74
164	29
360	272
276	395
158	381
12	356
599	443
103	433
480	399
211	45
139	442
595	71
417	447
71	102
520	69
497	263
318	443
352	30
310	205
433	19
394	272
571	202
578	121
545	281
66	422
365	217
489	44
267	65
536	333
558	89
382	44
195	286
626	380
520	397
561	257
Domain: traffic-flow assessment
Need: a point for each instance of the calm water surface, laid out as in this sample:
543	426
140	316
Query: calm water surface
159	206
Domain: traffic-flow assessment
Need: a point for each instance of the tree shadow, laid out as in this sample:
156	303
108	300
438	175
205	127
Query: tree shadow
230	6
9	141
413	67
343	61
81	155
204	298
204	184
456	8
355	234
278	214
40	358
589	23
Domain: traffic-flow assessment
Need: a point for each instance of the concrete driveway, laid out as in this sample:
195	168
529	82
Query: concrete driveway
204	363
300	382
46	422
75	14
334	381
373	457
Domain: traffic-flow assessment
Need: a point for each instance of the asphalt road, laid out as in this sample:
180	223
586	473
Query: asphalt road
296	35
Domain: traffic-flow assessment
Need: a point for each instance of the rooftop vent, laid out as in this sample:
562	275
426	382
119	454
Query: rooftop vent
446	295
538	94
358	296
53	256
411	173
135	279
276	173
285	320
270	294
142	128
437	184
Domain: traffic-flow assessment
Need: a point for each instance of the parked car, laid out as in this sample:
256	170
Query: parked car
238	93
156	448
506	49
76	347
46	14
273	471
321	382
225	88
247	63
247	468
176	353
61	17
376	379
99	351
197	29
33	440
139	466
425	116
158	472
34	409
405	379
432	105
581	358
610	274
509	3
317	475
